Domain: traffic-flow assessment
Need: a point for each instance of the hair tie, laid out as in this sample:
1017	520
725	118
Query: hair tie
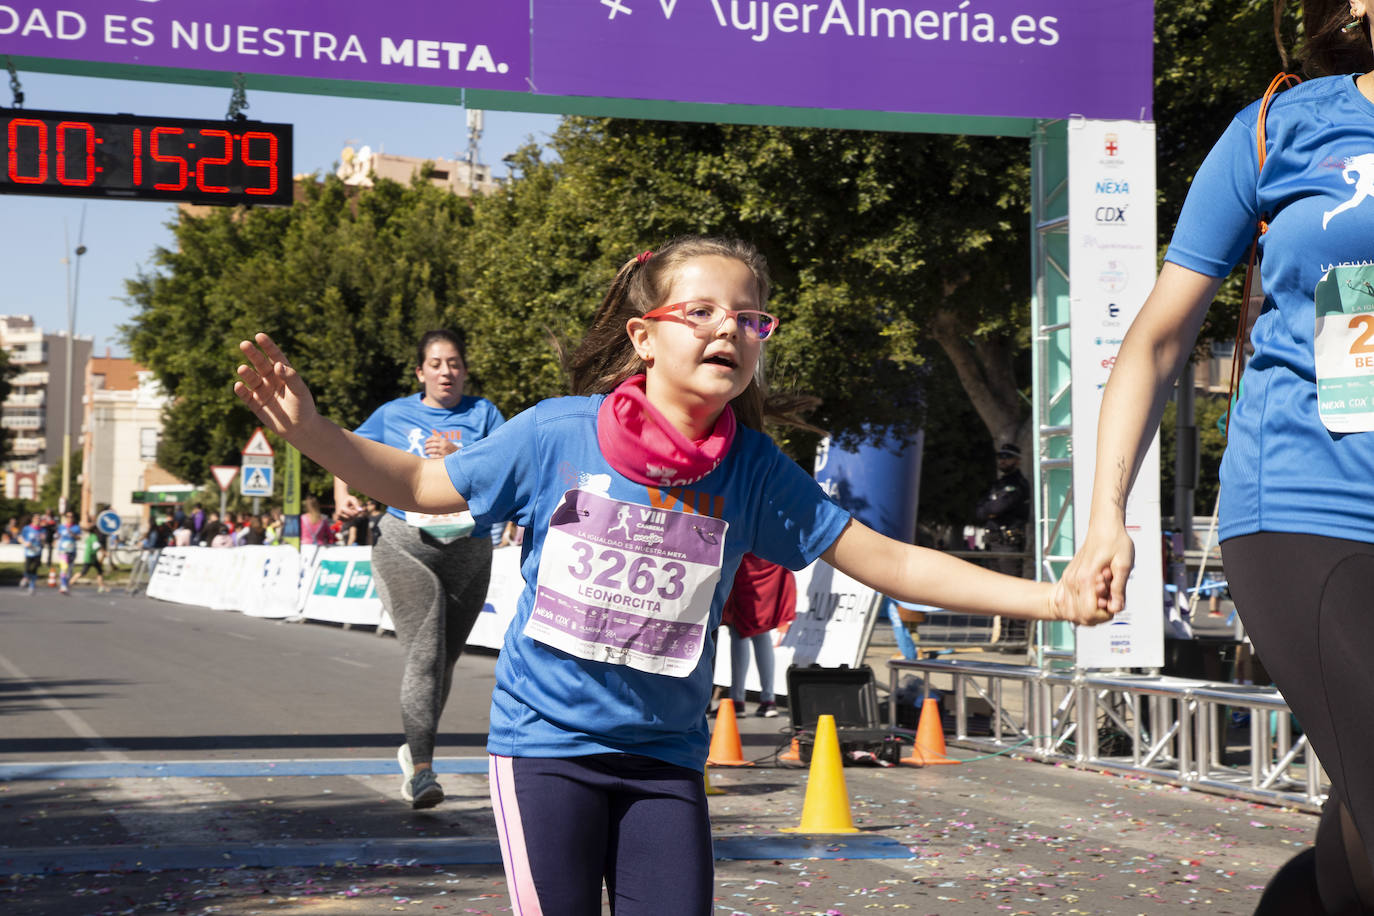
644	257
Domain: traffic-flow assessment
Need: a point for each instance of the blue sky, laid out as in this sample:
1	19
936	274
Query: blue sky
120	236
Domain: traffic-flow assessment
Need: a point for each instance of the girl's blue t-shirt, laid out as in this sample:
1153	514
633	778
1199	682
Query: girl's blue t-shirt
550	703
406	423
1283	471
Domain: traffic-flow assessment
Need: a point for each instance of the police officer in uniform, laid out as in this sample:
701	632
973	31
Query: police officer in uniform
1005	509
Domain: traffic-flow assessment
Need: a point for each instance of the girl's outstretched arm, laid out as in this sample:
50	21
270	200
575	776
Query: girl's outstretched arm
922	576
278	396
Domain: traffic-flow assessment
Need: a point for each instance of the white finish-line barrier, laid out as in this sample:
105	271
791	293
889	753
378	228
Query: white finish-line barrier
835	614
258	581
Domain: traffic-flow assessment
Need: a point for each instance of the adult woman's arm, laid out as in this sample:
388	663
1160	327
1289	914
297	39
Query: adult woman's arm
275	392
1152	354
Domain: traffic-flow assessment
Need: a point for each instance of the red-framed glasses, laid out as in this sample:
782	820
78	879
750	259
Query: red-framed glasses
705	317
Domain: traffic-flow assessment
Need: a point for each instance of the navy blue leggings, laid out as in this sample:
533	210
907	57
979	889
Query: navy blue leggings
567	824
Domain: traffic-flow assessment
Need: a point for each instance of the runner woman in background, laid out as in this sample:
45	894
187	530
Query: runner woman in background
32	538
1297	479
91	551
68	533
432	570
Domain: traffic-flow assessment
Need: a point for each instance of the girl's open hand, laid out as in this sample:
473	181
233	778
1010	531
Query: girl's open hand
272	389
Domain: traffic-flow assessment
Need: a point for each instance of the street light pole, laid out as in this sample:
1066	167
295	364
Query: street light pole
73	290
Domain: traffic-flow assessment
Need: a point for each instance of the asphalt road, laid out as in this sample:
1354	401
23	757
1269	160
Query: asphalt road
157	758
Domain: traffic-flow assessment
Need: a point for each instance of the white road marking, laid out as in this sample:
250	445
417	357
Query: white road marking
79	726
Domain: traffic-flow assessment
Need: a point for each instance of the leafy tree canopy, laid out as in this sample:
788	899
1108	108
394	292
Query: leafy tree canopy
346	283
900	263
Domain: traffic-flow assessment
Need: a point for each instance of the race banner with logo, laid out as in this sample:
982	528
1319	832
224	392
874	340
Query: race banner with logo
1111	271
1014	58
341	588
835	613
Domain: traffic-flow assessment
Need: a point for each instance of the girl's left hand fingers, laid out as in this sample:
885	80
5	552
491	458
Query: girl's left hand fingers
261	364
250	377
274	353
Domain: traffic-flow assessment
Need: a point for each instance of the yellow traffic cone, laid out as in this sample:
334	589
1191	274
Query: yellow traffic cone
710	789
826	809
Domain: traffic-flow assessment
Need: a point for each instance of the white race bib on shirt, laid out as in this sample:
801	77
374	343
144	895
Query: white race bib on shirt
627	584
448	527
1343	343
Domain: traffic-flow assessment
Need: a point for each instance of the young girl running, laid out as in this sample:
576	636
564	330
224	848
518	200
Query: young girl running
640	497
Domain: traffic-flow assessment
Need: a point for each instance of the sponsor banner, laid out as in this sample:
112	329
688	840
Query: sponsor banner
502	596
1014	58
835	613
258	581
470	44
835	616
341	588
1111	271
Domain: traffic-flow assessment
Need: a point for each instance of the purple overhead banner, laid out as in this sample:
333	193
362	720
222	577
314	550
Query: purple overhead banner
1002	58
475	44
1006	58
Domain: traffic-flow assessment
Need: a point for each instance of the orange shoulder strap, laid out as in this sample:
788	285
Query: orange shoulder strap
1279	82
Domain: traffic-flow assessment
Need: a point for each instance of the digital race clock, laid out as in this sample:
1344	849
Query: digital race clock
71	154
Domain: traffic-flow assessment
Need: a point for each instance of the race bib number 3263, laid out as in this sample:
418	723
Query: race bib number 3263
627	584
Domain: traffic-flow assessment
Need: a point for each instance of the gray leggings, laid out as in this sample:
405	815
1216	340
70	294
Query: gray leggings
433	592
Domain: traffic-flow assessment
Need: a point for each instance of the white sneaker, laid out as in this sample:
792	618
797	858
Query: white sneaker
407	767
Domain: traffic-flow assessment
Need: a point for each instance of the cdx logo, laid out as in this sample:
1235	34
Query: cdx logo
1115	215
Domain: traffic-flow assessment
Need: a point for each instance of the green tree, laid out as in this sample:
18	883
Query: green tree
50	493
345	281
901	264
873	239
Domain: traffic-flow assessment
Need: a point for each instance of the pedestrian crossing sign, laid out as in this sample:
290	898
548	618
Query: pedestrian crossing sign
256	481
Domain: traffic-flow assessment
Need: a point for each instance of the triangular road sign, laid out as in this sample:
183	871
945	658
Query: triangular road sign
258	445
224	474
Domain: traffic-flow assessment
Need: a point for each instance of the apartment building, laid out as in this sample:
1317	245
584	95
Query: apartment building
33	414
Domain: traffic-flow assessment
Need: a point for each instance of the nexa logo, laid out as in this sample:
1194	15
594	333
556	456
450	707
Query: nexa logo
1113	187
1115	215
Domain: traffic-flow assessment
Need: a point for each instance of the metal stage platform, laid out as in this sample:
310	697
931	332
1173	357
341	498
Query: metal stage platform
1163	728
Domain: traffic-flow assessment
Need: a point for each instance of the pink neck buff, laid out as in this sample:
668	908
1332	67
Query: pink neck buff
640	443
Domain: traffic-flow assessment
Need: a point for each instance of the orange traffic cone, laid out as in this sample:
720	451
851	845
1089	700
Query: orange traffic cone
52	577
930	738
793	754
826	809
725	746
